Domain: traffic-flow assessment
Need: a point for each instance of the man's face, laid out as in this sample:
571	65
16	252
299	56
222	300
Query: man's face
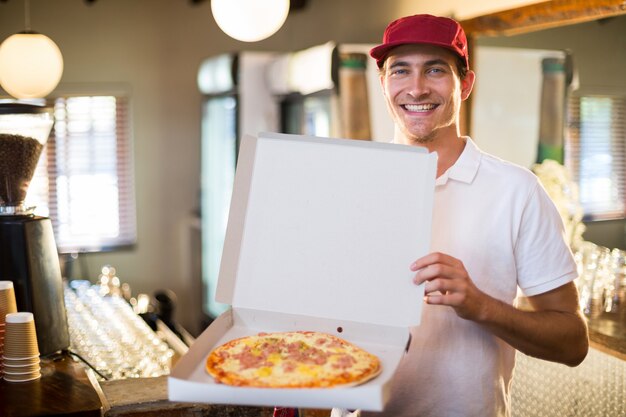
423	91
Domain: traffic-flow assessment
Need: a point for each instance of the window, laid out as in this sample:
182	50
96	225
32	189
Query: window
84	179
596	152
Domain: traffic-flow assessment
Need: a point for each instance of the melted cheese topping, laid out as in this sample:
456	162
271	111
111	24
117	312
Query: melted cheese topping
291	359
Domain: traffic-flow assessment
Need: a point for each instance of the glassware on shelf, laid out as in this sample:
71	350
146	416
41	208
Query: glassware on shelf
106	332
601	279
615	299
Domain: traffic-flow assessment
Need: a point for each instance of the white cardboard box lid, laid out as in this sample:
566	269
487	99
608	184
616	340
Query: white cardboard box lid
328	228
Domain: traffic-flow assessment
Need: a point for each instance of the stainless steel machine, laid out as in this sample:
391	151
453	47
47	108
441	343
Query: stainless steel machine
28	253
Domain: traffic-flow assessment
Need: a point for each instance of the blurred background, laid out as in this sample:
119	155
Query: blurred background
161	81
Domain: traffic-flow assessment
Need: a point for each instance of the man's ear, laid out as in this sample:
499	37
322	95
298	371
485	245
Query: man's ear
467	83
381	78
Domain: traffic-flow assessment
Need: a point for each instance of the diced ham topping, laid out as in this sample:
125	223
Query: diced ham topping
344	362
294	353
289	366
249	360
335	343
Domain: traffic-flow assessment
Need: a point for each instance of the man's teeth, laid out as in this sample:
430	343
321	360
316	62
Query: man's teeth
419	107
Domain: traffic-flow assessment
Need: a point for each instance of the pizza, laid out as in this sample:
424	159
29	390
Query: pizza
298	359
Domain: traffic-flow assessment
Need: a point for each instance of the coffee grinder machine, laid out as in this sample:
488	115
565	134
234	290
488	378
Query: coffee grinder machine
28	252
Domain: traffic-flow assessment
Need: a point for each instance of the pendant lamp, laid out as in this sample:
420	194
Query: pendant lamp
250	20
31	64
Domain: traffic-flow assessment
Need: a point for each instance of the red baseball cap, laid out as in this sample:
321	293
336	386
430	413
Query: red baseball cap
423	29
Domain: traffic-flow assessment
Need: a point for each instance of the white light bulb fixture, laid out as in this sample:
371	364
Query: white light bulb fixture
31	64
250	20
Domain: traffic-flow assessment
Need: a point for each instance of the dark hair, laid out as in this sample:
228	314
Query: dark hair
461	68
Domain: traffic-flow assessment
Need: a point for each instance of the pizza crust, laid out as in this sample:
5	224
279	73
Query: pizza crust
301	359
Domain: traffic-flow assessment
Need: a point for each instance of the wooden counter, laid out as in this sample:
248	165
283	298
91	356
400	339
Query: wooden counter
65	388
607	333
147	397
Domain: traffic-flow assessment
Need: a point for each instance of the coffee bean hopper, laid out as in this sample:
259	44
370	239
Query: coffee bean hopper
28	252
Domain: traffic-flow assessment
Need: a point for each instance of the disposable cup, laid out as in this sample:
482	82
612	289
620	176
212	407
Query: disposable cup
22	359
20	338
5	285
22	368
22	371
18	372
22	317
20	362
20	328
20	352
21	378
22	333
7	299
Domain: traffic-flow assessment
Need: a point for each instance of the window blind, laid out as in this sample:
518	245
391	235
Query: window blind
85	181
596	153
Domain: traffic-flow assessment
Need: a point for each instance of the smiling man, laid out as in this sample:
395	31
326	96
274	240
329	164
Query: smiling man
495	231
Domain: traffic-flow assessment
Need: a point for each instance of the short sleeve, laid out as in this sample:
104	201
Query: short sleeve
543	258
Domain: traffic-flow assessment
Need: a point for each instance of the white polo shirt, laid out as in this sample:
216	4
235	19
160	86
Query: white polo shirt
498	220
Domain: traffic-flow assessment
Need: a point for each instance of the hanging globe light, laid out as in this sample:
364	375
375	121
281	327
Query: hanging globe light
250	20
31	65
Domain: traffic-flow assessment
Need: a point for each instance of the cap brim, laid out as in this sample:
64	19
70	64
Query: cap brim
380	52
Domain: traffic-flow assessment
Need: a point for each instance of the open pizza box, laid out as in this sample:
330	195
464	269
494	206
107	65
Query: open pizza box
320	236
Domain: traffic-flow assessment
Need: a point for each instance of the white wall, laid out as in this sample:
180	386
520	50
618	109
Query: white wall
505	115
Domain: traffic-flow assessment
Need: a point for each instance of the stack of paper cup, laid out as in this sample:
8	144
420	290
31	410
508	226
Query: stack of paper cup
21	353
7	305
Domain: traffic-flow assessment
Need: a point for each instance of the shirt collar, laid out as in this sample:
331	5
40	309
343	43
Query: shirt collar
465	167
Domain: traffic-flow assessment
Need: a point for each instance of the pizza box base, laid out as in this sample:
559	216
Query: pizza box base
189	381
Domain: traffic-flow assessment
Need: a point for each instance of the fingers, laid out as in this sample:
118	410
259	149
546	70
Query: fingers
445	278
438	270
424	261
434	258
441	285
447	283
449	299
